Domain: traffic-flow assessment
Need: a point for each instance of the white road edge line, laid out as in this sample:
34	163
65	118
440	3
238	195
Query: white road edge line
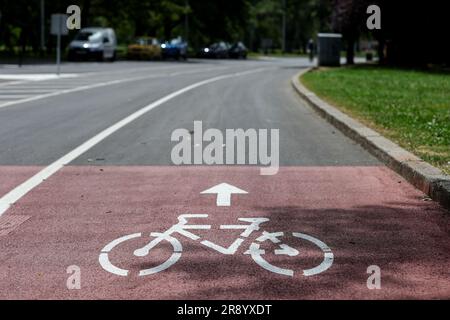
88	87
17	193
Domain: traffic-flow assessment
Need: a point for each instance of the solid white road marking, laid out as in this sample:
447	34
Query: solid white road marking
36	76
224	192
57	93
14	195
328	256
108	266
24	90
104	259
14	96
98	85
228	251
256	254
175	256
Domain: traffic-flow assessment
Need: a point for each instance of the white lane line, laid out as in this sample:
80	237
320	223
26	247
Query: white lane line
14	96
102	84
36	76
22	90
44	87
82	75
84	87
10	83
132	70
17	193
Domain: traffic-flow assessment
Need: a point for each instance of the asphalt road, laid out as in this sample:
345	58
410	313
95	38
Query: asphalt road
124	183
260	100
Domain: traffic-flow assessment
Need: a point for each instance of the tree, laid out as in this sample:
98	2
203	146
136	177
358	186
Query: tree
411	33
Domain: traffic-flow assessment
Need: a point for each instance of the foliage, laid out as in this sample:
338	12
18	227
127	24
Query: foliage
207	20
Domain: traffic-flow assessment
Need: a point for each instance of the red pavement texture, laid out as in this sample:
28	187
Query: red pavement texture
12	176
366	215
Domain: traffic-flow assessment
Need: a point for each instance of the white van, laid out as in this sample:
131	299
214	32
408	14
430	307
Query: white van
97	43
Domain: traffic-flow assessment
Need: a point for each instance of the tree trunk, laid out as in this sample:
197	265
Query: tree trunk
381	46
351	50
22	45
85	13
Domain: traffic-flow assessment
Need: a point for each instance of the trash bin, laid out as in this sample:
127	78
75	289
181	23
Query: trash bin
329	49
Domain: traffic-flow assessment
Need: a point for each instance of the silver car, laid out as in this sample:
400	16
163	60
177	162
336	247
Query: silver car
94	43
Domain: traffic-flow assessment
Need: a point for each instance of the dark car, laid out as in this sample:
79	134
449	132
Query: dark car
218	50
176	49
238	51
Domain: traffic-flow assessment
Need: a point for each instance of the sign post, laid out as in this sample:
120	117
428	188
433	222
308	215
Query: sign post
58	29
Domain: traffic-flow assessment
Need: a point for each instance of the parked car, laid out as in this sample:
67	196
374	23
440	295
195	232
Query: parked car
238	51
145	48
218	50
176	48
97	43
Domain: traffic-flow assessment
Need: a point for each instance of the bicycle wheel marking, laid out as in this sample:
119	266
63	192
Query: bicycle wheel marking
177	249
327	259
108	266
104	258
256	253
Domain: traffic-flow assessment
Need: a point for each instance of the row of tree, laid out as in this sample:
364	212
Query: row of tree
284	24
412	32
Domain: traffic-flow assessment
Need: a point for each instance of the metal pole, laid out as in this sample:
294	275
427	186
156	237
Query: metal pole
58	53
58	46
186	22
283	43
42	25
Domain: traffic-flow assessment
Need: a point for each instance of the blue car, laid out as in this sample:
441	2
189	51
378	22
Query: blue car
175	49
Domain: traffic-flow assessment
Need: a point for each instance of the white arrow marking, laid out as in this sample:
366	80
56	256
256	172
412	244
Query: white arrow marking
224	192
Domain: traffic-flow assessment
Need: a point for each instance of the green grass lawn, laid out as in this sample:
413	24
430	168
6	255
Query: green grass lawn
409	107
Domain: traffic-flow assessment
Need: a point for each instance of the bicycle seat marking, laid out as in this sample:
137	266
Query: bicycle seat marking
184	229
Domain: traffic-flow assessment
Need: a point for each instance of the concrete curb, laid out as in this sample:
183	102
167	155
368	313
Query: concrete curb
419	173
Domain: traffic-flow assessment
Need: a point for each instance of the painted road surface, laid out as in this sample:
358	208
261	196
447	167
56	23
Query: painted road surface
309	232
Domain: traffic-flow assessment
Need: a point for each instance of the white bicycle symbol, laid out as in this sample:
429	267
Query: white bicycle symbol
183	228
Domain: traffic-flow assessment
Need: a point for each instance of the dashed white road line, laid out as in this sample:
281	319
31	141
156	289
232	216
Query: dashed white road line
17	193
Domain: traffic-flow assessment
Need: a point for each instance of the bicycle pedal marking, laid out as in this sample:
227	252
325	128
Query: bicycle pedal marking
287	251
228	251
327	259
256	253
273	237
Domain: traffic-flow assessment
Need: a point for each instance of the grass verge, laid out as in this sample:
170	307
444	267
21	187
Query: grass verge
409	107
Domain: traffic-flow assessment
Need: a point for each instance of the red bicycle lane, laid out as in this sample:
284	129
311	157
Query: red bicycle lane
365	215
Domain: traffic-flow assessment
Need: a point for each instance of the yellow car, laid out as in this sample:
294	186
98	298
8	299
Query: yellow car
144	48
